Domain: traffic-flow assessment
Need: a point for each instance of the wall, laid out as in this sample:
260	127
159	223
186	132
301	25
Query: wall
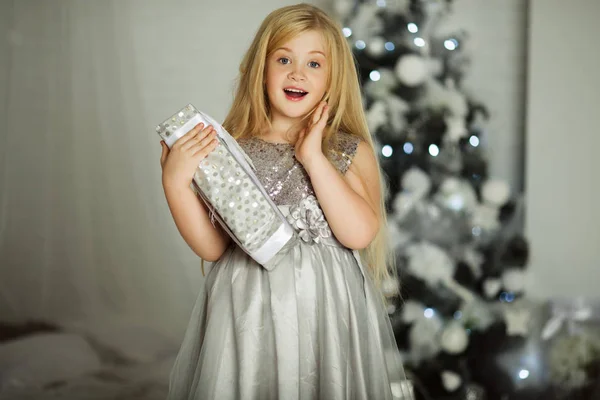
497	32
563	187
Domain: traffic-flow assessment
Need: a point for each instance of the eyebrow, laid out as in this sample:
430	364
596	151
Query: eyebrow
310	52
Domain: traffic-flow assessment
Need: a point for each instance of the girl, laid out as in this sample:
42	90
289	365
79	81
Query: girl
315	326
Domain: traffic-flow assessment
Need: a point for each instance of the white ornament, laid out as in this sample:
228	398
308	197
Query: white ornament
444	98
454	339
366	23
456	102
451	380
456	194
434	265
430	263
486	217
473	259
416	182
513	280
456	128
450	185
412	311
403	204
412	70
479	314
389	287
376	46
376	116
397	108
495	192
517	321
398	237
423	338
491	287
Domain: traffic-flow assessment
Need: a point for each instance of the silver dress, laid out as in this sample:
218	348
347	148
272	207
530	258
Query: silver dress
313	327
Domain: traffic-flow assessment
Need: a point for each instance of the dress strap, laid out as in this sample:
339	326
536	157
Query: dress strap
343	150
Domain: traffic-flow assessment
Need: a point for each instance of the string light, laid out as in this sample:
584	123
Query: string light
360	44
523	374
389	46
408	148
434	150
450	44
412	28
507	297
387	150
375	75
347	32
420	42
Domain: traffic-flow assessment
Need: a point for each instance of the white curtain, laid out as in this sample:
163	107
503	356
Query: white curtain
85	231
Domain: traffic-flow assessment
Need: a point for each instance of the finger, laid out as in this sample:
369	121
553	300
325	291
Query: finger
320	125
315	116
302	134
205	141
202	151
201	135
318	112
324	115
165	152
189	135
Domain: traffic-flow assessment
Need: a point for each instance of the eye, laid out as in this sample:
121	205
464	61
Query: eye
314	64
284	60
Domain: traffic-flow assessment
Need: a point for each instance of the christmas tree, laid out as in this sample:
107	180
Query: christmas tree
456	229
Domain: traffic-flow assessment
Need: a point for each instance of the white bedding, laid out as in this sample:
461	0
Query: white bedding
72	366
143	381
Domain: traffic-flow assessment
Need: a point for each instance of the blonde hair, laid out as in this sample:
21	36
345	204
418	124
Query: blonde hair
249	113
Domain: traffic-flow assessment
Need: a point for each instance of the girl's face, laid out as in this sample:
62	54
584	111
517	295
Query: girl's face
296	76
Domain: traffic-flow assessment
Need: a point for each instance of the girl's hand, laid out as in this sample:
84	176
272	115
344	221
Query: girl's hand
309	143
180	162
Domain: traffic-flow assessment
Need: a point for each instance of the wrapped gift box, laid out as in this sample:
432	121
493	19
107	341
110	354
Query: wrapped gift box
226	181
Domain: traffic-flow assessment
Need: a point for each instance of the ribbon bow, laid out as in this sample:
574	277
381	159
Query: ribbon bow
570	312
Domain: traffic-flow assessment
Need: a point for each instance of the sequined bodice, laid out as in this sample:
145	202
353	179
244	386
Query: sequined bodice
282	175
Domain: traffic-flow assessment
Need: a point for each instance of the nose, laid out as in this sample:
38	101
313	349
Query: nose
296	74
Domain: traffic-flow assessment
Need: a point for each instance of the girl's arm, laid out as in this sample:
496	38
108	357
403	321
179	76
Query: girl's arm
350	202
193	222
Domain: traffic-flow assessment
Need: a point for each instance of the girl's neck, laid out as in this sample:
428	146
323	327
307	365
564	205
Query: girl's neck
283	130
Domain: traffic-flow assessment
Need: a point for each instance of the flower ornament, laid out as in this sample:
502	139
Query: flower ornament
308	218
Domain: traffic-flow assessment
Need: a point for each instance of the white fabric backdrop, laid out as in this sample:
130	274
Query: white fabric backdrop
85	232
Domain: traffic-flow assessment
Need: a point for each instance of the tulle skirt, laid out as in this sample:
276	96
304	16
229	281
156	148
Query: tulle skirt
312	328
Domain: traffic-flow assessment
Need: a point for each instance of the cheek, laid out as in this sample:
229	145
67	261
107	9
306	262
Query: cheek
321	82
269	83
273	79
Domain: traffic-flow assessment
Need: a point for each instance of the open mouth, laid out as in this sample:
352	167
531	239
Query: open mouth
295	94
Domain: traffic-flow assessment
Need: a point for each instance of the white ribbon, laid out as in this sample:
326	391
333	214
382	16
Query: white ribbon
570	312
285	231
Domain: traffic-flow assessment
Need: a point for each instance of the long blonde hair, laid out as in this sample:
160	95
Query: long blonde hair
250	114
